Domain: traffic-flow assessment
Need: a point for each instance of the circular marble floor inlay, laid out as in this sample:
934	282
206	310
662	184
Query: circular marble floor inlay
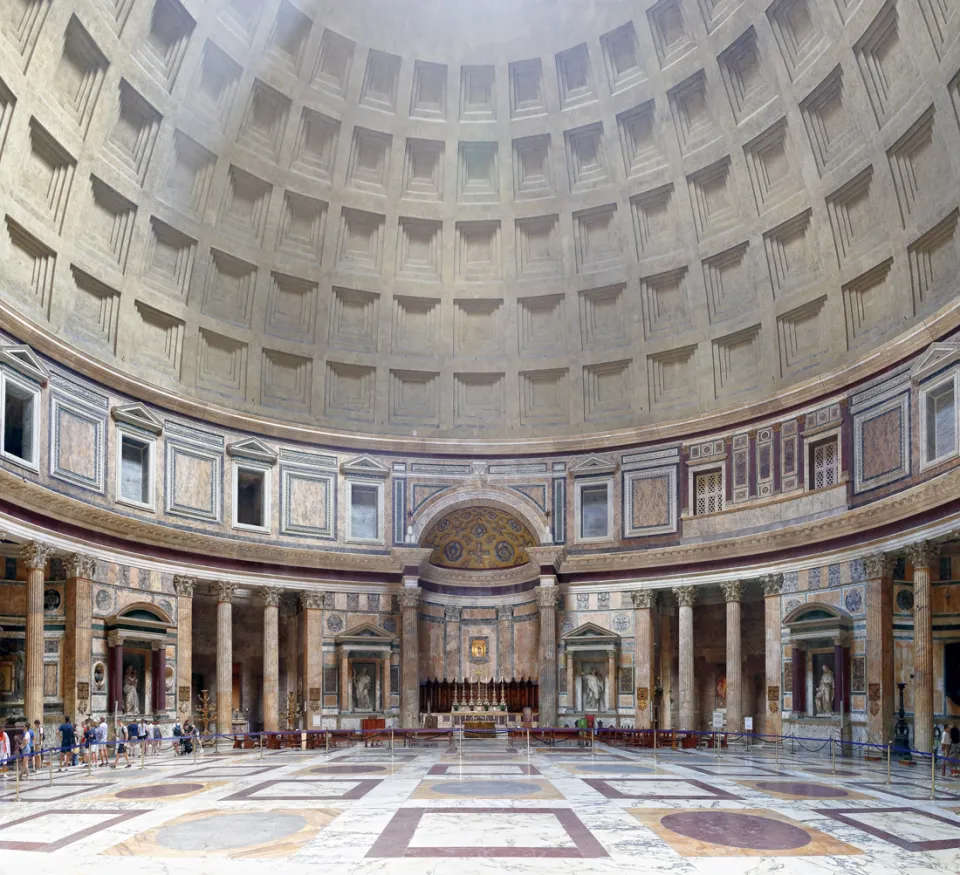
346	770
802	788
492	789
610	768
158	791
221	832
736	830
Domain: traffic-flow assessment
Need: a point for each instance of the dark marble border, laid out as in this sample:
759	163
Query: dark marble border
363	787
525	769
889	789
394	841
207	772
602	786
48	847
906	844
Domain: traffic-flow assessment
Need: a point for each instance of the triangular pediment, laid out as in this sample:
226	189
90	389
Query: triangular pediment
366	466
594	464
936	357
366	632
252	448
23	359
590	632
138	415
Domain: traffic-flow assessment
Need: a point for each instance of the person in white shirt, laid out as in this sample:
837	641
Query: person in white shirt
4	753
103	755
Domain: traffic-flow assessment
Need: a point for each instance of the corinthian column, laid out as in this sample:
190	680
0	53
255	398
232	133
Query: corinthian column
184	587
271	657
547	602
34	556
880	687
409	598
686	596
644	603
732	594
772	584
78	636
225	592
311	613
922	557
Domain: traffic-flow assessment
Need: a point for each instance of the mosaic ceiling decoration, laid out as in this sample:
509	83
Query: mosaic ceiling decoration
479	539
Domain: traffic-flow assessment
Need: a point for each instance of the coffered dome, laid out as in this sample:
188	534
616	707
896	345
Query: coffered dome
492	221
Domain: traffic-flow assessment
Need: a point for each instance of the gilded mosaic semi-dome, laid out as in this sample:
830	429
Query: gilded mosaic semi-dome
431	220
479	539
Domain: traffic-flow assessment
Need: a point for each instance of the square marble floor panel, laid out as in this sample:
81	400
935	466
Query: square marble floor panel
909	791
909	828
736	771
225	771
486	832
497	788
477	770
159	791
44	792
748	832
305	790
799	790
680	789
51	830
351	770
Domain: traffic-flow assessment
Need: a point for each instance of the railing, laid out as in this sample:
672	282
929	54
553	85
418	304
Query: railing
326	739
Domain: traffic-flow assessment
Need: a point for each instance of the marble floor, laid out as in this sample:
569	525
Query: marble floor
487	807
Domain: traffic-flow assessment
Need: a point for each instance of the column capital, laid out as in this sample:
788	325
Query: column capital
184	585
923	554
35	554
311	601
271	596
80	565
644	598
546	596
772	584
225	590
685	595
409	596
878	565
732	590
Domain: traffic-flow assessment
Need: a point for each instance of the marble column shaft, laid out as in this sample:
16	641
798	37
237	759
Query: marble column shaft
732	594
345	703
686	595
271	658
34	556
922	556
311	615
409	597
292	668
78	637
547	601
184	587
644	614
881	693
225	592
385	685
612	681
773	651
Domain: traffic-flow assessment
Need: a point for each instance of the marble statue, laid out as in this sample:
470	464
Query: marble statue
361	689
592	690
824	695
131	701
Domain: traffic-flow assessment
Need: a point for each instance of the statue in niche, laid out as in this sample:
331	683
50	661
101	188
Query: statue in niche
823	700
592	690
362	683
98	677
131	700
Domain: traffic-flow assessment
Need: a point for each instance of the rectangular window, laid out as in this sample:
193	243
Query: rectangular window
135	470
824	464
594	513
250	487
364	512
708	492
941	422
19	422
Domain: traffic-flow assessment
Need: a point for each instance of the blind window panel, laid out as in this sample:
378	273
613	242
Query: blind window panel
134	470
941	422
708	487
365	512
594	516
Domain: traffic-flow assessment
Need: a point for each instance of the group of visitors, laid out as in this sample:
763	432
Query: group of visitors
949	740
21	750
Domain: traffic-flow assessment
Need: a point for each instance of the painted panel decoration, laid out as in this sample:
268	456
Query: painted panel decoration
479	538
650	501
194	481
881	443
77	442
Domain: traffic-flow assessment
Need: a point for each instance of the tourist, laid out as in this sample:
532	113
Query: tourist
121	737
103	754
177	743
26	748
68	740
39	736
155	735
133	738
5	753
954	749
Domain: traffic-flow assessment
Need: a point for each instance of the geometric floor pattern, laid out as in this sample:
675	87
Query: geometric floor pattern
484	808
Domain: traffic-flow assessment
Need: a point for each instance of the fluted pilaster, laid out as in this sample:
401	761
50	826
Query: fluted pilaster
686	596
271	657
922	557
733	594
34	556
225	592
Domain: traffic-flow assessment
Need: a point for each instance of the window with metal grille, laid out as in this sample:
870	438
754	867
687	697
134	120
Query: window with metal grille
708	492
824	465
